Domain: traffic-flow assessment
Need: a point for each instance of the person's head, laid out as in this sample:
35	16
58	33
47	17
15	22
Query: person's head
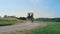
30	14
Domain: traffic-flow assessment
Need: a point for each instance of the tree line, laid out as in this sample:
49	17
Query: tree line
48	19
6	16
37	19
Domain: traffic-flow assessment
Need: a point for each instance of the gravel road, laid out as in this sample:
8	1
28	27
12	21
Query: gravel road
21	26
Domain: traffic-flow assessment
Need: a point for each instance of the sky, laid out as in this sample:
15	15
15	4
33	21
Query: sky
40	8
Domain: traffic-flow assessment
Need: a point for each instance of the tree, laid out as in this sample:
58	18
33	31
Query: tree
11	16
23	18
0	17
5	16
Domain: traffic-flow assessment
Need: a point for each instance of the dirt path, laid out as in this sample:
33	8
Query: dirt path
21	26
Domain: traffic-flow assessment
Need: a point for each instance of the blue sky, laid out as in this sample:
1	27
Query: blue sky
40	8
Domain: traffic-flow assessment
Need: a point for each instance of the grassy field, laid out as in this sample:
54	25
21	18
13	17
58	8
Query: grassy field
5	23
52	28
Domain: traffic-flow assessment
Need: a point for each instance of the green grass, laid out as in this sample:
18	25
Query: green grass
5	23
52	28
